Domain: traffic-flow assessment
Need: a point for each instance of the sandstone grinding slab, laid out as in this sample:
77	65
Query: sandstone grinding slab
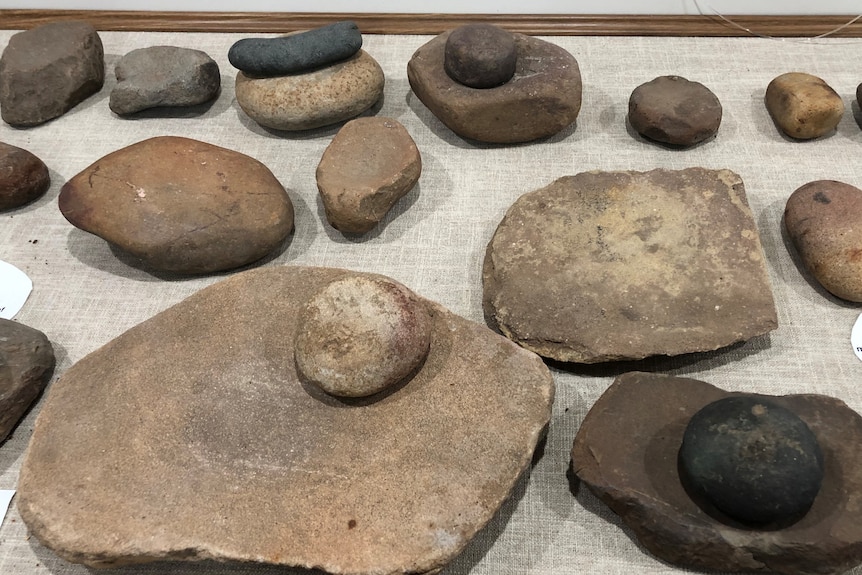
606	266
541	98
191	437
204	209
626	452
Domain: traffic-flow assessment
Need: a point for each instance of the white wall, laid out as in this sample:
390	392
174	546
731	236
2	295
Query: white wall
461	6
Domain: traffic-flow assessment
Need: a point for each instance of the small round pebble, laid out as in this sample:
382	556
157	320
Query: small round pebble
755	461
803	106
23	177
676	111
824	221
480	56
360	335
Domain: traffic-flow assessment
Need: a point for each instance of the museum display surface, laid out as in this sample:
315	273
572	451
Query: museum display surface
87	293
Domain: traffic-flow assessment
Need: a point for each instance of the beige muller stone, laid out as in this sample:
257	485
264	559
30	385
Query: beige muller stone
626	452
23	177
803	106
312	99
369	165
824	221
607	266
542	98
181	205
192	436
360	335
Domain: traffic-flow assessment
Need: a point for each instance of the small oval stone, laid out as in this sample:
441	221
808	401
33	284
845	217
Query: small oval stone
23	177
824	221
369	165
360	335
163	76
676	111
754	460
204	209
803	106
296	52
480	55
313	99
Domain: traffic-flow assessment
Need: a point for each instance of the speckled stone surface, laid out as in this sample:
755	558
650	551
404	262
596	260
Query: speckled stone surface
626	453
803	106
312	99
542	98
605	266
824	221
191	437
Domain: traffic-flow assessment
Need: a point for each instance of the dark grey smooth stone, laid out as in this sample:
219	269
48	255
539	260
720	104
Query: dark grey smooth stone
298	52
753	459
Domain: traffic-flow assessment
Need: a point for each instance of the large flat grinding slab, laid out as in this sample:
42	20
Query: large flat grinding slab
191	437
605	266
626	452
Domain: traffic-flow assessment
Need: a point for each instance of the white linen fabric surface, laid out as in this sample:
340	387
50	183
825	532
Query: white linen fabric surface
433	241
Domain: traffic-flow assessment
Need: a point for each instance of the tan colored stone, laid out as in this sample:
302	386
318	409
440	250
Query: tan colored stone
803	106
824	221
542	98
192	437
23	177
312	99
360	335
626	453
606	266
181	205
369	165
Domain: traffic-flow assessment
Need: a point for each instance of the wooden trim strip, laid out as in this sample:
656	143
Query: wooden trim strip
535	24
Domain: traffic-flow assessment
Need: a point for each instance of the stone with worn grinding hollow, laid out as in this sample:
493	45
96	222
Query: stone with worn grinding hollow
753	459
360	335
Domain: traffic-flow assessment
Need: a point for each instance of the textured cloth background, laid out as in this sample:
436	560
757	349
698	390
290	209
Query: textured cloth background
85	294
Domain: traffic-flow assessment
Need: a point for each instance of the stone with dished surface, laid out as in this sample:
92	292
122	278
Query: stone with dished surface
626	452
48	70
191	436
542	98
369	165
824	221
607	266
315	98
181	205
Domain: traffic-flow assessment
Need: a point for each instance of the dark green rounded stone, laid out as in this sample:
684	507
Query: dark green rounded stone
752	459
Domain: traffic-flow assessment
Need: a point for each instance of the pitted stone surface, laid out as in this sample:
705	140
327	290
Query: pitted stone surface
626	452
209	445
606	266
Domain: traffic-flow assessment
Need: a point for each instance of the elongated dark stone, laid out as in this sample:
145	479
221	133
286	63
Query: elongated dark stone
298	52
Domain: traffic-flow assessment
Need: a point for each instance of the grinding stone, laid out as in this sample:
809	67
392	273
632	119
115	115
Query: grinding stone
606	266
190	437
626	453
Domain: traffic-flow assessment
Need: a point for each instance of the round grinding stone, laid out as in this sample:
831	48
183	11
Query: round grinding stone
755	461
480	56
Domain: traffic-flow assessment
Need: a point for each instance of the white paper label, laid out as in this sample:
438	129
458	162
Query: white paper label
5	500
856	337
15	288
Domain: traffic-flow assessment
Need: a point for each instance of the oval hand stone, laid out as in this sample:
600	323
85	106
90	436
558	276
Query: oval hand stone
297	52
23	177
803	106
360	335
480	55
204	209
673	110
824	222
753	459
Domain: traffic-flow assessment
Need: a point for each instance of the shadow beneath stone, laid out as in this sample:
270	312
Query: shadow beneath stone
664	145
401	206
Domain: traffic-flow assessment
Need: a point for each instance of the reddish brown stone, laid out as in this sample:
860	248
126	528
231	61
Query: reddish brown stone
626	453
23	177
368	166
192	437
181	205
542	98
824	222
